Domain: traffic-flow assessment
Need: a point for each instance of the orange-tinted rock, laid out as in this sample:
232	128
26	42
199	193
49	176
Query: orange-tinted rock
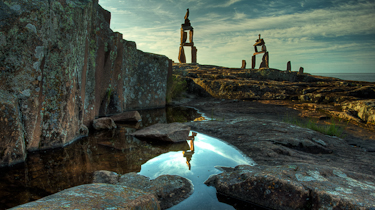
191	33
243	64
253	60
193	54
181	55
364	109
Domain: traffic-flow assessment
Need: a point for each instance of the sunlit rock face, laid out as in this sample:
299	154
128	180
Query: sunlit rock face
64	66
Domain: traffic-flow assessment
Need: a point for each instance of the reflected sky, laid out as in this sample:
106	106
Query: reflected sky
208	152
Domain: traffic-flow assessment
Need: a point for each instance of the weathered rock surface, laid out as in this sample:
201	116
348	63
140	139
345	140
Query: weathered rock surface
256	128
104	123
363	109
169	189
173	132
270	142
273	84
12	144
96	196
132	116
236	83
297	186
63	67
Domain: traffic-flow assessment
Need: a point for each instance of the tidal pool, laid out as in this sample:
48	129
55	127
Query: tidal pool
50	171
197	164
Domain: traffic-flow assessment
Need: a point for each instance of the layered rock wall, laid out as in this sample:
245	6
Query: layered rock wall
61	66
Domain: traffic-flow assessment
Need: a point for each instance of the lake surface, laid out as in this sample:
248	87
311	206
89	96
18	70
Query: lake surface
50	171
367	77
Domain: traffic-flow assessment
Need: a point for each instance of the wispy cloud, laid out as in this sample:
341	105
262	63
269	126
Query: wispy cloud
225	36
343	20
228	3
239	15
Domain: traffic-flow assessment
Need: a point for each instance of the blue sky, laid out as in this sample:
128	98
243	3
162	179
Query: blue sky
323	36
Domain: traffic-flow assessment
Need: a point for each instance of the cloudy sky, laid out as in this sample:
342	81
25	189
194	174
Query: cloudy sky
323	36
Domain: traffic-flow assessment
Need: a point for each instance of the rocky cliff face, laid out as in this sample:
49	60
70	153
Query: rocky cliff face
60	67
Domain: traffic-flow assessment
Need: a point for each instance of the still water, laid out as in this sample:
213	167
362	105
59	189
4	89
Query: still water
367	77
51	171
197	164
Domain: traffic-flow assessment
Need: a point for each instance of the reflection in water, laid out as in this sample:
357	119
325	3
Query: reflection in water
208	153
189	153
50	171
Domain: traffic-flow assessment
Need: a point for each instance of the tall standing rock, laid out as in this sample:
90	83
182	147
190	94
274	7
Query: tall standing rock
288	67
243	64
265	61
300	70
64	66
181	55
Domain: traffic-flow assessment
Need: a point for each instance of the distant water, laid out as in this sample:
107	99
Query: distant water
367	77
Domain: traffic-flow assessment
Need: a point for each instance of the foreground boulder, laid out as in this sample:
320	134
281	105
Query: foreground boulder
132	116
168	189
297	186
104	123
96	196
173	132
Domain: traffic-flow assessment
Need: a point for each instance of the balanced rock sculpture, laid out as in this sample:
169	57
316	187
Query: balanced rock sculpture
265	58
184	38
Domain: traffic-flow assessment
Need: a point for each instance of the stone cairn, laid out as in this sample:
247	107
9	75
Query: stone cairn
187	27
265	59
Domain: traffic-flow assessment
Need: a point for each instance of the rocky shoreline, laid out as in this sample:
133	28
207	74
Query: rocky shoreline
297	168
311	170
350	100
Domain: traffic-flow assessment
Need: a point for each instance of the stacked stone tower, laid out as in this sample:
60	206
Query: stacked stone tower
265	59
184	28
